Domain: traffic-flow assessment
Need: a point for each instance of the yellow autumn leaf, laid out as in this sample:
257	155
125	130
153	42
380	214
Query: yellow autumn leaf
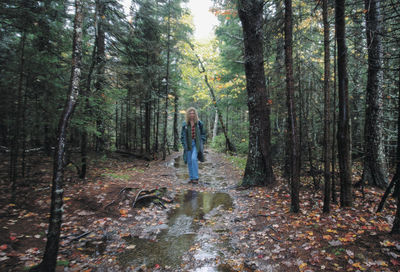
382	263
358	265
302	266
123	212
387	243
327	237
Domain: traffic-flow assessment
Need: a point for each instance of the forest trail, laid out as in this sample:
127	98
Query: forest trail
195	236
204	228
304	93
210	226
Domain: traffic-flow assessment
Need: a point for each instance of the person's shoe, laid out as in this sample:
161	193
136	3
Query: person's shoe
196	181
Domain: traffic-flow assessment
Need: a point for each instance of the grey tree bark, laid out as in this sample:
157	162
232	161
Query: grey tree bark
374	172
13	171
215	127
327	117
292	137
100	71
53	235
175	127
165	141
258	169
343	133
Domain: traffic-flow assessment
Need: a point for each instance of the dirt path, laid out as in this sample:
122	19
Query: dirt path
210	226
195	235
102	232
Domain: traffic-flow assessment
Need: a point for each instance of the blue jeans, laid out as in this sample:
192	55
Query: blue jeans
192	161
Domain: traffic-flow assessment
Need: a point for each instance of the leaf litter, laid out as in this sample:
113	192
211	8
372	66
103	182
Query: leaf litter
257	234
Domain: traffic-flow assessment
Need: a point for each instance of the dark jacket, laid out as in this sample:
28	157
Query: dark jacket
186	140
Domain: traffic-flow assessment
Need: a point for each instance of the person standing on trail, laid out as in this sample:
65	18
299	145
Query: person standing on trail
193	137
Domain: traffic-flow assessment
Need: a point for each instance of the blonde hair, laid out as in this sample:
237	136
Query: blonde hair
196	118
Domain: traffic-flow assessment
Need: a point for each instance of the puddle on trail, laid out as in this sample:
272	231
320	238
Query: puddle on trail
173	242
179	163
208	175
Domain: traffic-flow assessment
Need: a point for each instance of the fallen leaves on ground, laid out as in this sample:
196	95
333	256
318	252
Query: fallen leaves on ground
261	232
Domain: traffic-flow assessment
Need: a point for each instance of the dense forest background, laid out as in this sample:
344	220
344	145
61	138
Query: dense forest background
139	74
140	70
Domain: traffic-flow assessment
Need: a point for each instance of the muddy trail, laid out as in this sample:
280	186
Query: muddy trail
101	230
205	229
209	226
192	238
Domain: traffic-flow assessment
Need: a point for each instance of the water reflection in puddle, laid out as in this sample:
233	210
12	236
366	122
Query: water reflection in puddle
172	243
207	173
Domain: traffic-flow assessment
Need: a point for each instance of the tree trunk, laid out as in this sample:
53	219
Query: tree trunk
176	132
147	110
117	125
215	128
396	194
100	63
137	122
259	162
374	167
53	235
154	113
301	101
23	128
141	126
121	126
343	133
230	146
157	126
226	124
165	142
128	123
86	111
327	117
334	197
15	140
293	148
147	122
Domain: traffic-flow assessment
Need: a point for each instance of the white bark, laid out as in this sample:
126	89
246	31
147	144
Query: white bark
215	128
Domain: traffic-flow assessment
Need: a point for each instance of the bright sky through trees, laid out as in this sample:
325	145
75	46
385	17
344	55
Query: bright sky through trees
203	19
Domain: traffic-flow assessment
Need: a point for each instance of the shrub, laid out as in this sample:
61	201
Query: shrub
219	143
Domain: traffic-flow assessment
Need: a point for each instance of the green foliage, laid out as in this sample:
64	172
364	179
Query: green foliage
117	176
137	170
238	161
45	72
219	143
62	263
242	147
59	263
